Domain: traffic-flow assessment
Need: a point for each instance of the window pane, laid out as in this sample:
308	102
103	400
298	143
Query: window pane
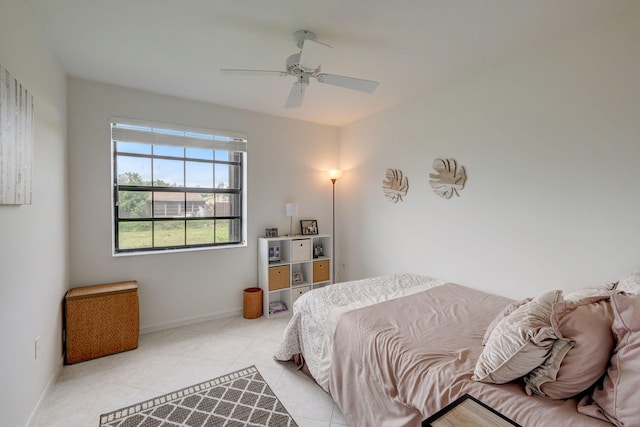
168	233
235	207
133	170
208	199
222	155
168	204
133	147
199	174
219	205
222	176
200	232
235	179
200	153
196	205
235	234
228	230
228	176
168	150
168	173
134	204
222	230
135	235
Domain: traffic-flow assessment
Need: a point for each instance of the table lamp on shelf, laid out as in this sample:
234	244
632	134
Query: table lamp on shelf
291	210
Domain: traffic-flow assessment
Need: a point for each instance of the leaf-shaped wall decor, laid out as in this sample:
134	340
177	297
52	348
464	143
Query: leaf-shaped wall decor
396	185
450	178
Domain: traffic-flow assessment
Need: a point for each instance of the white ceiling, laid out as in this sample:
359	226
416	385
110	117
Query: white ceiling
177	47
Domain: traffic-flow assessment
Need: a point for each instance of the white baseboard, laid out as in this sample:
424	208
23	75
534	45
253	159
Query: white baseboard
45	393
189	321
146	330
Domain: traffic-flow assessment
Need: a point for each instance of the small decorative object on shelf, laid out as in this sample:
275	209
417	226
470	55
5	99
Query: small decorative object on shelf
291	210
271	232
274	253
297	277
317	251
276	307
309	227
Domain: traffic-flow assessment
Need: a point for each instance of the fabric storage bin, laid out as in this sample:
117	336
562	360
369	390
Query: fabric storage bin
298	292
101	320
279	277
300	250
321	270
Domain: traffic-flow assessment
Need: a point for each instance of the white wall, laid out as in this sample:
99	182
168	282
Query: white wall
286	160
551	143
33	238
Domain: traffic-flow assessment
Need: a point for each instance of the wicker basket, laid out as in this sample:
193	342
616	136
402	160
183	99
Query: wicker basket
101	320
252	307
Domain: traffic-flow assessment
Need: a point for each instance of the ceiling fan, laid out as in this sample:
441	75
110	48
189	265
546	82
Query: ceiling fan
306	64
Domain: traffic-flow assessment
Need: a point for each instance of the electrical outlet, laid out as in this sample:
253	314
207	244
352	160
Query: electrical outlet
36	347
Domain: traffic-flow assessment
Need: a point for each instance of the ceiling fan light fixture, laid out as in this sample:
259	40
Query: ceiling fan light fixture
305	64
296	94
301	36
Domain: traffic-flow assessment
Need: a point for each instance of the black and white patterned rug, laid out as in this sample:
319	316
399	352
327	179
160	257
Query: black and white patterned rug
241	398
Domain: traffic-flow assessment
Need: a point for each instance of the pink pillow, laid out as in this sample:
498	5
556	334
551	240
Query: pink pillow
519	343
618	396
588	324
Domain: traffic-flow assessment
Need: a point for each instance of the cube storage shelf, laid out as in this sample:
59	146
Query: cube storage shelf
290	266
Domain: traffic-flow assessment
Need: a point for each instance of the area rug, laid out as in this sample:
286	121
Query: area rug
241	398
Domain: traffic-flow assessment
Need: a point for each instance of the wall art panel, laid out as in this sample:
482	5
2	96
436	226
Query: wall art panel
16	141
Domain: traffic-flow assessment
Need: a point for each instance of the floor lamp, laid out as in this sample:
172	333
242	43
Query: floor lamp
334	174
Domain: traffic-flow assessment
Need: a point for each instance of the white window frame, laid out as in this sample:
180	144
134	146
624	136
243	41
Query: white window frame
164	134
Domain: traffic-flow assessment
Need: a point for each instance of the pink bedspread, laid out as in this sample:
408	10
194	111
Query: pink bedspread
398	362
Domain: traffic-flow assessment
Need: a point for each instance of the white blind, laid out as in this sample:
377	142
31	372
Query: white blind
129	130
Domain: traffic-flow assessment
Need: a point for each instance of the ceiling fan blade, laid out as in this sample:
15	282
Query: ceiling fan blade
348	82
313	53
296	95
241	72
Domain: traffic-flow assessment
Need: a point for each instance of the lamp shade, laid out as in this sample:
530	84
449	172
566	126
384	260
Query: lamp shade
334	174
291	209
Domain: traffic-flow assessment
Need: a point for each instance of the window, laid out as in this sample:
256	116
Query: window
176	188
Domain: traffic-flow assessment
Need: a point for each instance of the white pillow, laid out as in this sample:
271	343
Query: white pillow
598	291
504	313
630	283
521	342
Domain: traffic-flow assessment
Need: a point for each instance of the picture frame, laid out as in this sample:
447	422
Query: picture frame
271	232
274	253
309	227
297	277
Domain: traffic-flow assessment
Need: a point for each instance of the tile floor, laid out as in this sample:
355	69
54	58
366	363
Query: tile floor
177	358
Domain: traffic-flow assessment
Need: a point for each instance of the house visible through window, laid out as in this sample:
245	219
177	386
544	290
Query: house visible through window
176	188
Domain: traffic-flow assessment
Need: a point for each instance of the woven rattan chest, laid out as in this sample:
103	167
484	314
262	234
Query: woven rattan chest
101	320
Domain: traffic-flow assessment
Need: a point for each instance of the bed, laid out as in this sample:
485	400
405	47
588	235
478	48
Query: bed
393	350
